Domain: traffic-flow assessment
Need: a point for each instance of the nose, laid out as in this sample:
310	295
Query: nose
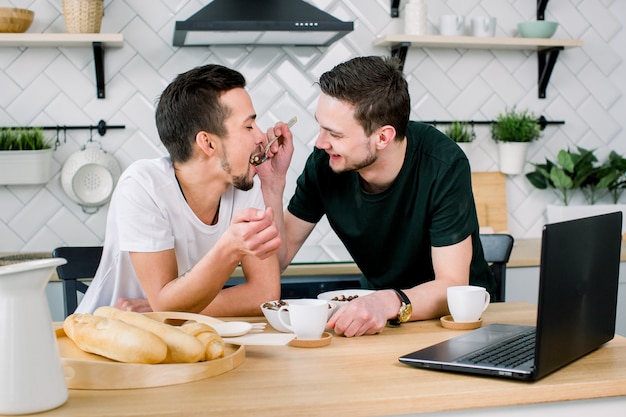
321	142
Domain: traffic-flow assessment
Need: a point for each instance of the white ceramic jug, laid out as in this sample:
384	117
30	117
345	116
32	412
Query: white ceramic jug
31	375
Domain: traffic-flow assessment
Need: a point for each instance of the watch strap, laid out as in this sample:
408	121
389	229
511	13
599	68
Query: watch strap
405	303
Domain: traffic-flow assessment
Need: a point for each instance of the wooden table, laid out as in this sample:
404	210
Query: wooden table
359	377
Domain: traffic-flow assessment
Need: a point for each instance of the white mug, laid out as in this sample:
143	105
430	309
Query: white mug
307	317
483	26
467	302
451	25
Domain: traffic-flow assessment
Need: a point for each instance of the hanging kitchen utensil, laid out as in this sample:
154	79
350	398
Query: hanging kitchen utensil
89	176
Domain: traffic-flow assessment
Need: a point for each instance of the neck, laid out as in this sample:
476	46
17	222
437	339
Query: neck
380	175
202	195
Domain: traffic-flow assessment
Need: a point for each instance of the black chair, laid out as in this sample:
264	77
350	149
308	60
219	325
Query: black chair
497	249
82	262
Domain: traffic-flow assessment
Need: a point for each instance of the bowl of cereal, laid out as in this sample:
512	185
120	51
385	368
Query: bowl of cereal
338	298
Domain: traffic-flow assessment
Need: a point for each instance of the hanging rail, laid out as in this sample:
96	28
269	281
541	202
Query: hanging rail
101	127
543	122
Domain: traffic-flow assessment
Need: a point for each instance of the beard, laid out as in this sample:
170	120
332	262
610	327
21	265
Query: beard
241	182
367	161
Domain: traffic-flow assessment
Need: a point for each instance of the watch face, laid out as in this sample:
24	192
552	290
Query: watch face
405	313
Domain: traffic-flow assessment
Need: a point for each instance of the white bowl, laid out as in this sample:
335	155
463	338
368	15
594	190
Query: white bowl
334	297
270	311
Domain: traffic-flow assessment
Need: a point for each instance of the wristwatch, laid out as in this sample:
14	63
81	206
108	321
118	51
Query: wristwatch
404	314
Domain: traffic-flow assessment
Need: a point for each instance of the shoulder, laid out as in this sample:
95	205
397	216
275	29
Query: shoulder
430	146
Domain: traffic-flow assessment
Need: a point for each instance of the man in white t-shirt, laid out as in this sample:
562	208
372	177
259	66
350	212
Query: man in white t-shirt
178	226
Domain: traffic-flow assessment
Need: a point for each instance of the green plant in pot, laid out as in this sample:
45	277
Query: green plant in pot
613	175
23	139
513	130
460	132
25	156
570	172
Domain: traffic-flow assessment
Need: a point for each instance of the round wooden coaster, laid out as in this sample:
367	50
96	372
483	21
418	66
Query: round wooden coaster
312	343
449	323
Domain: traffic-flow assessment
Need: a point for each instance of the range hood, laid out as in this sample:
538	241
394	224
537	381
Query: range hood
260	22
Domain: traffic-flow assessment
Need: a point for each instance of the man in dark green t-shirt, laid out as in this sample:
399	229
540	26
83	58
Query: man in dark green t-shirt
397	193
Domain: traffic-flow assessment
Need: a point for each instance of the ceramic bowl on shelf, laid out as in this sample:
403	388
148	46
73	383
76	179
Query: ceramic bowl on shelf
14	20
537	29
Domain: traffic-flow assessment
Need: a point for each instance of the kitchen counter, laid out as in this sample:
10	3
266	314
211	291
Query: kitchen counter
526	253
362	377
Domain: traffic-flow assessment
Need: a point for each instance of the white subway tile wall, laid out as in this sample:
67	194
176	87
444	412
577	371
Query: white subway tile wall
56	86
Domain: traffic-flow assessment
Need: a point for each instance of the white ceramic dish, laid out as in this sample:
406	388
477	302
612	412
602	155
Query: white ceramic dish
271	314
347	293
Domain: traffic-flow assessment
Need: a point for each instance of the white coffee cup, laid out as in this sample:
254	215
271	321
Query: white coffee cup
307	317
467	302
483	26
452	25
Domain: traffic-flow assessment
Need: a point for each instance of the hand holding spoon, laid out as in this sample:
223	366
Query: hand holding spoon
261	156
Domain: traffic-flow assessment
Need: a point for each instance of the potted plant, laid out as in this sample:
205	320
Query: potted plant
25	156
575	171
461	133
513	130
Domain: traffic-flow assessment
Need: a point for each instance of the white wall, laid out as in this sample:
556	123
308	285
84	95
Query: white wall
49	86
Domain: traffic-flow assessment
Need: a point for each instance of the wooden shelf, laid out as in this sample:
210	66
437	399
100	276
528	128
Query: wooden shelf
97	41
547	49
473	42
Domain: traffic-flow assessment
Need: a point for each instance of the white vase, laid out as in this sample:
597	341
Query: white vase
415	18
512	157
558	213
25	167
466	147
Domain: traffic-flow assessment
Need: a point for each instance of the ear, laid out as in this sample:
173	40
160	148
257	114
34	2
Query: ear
206	142
384	136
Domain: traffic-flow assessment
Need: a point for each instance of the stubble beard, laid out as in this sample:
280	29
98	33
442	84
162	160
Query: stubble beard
241	182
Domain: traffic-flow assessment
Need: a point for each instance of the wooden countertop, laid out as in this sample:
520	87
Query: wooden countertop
359	377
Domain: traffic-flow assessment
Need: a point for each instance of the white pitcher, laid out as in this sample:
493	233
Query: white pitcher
31	376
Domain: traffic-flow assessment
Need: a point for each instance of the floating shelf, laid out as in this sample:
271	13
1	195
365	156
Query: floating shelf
547	49
98	41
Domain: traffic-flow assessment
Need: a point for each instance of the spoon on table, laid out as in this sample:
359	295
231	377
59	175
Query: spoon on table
261	155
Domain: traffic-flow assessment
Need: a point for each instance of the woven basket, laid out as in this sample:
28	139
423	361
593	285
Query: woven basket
83	16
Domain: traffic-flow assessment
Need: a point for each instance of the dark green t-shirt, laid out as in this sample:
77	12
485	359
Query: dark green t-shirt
389	235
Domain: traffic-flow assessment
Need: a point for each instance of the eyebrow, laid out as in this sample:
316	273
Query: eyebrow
252	117
326	128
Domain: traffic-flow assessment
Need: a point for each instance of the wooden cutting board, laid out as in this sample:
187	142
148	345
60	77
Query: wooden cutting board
87	371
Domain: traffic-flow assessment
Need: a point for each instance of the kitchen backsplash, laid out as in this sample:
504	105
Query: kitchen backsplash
56	86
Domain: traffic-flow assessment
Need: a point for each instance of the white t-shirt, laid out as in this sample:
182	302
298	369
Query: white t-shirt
148	213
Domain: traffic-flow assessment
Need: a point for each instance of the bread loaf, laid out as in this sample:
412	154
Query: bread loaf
212	341
114	339
181	347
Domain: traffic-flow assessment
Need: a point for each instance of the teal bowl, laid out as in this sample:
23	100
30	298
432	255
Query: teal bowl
537	29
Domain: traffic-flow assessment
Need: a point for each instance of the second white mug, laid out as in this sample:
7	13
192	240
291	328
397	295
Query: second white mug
483	26
451	25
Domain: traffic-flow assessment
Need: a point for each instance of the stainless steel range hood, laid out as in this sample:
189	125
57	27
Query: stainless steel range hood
260	22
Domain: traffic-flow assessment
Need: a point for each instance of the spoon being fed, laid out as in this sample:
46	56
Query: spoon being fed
261	156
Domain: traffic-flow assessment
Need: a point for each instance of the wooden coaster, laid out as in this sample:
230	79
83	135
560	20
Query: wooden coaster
312	343
449	323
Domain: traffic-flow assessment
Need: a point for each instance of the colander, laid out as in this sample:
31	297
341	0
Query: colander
89	176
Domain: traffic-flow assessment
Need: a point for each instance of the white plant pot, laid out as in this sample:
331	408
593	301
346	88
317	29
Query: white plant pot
512	157
25	167
557	213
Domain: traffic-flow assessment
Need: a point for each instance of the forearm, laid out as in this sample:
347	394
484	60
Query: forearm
273	197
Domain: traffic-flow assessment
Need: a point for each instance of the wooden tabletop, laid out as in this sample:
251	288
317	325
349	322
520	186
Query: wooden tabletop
359	377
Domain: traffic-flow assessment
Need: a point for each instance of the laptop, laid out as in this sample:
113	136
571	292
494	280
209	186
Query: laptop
576	310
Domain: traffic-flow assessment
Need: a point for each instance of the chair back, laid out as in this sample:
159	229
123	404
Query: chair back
82	262
497	248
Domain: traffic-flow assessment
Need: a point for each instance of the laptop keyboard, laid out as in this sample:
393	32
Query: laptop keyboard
507	354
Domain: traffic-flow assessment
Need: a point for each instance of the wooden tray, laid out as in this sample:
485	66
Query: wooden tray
87	371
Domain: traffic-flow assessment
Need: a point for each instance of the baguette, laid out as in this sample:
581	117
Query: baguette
212	341
114	339
181	347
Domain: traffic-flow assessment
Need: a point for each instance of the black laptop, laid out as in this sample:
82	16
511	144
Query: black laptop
576	313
